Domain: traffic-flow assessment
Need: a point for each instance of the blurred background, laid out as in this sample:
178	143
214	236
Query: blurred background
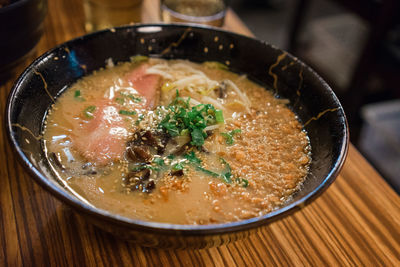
355	46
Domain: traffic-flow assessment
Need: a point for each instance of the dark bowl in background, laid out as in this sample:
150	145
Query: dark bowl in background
21	26
310	97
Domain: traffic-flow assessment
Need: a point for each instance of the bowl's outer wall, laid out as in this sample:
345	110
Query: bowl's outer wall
310	97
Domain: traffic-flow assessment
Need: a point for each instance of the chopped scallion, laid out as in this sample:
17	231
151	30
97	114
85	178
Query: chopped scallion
141	117
229	136
148	166
191	157
126	112
139	58
120	100
208	172
219	116
177	166
88	112
197	137
159	161
242	182
134	98
77	95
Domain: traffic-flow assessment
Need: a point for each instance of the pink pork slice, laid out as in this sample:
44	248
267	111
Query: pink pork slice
145	84
102	139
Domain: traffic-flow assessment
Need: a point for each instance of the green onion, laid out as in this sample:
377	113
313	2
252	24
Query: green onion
229	136
219	116
215	65
145	167
88	112
159	161
120	100
236	131
171	128
243	182
185	132
191	157
227	173
132	97
182	119
139	58
77	95
177	166
227	177
141	117
208	172
197	137
126	112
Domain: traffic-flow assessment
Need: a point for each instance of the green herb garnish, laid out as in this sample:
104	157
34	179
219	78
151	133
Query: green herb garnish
208	172
159	161
132	97
177	166
126	112
215	65
77	95
141	117
88	112
197	137
147	166
219	116
182	119
192	158
227	173
242	182
139	58
120	100
229	136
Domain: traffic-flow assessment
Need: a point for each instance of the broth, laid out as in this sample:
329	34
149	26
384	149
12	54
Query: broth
176	142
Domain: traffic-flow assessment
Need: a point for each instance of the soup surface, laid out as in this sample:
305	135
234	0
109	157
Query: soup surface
177	142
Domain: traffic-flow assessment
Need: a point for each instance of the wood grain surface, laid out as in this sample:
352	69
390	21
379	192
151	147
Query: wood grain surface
356	222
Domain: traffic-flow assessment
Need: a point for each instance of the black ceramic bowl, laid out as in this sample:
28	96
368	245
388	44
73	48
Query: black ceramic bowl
310	97
20	30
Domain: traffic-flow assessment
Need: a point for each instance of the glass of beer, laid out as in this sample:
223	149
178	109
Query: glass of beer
207	12
101	14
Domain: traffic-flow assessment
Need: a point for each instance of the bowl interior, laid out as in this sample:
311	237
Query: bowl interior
310	97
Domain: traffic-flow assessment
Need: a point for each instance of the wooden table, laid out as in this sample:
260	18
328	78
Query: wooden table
355	222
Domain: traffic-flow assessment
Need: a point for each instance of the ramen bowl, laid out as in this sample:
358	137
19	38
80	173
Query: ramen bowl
310	98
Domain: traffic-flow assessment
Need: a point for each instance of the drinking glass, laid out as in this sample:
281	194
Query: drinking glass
101	14
208	12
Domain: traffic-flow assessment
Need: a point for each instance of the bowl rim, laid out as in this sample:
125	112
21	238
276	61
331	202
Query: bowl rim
168	228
